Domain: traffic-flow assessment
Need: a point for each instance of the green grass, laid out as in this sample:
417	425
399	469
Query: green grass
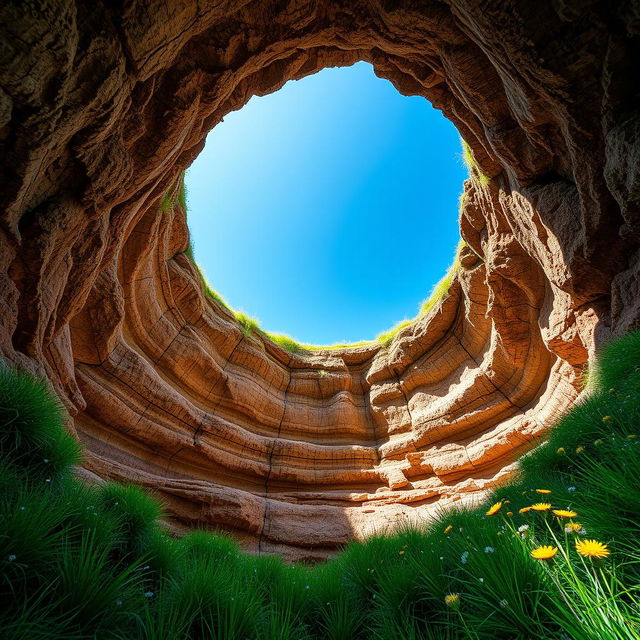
248	325
475	173
251	327
94	562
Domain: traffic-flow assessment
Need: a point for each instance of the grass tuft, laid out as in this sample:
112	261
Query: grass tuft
248	325
475	173
136	513
32	433
286	342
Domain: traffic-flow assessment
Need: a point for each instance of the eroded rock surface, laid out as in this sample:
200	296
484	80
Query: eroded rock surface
103	104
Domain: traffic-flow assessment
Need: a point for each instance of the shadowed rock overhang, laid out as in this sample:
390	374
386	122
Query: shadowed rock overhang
104	104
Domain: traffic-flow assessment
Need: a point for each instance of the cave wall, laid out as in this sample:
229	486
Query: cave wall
103	104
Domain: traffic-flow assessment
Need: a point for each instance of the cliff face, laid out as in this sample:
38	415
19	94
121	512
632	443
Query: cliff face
103	104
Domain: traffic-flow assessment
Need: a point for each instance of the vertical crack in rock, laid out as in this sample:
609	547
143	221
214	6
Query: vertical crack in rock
268	476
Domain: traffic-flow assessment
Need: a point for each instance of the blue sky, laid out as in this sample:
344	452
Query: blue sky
327	210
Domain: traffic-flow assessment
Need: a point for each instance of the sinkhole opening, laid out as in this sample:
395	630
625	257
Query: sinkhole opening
327	210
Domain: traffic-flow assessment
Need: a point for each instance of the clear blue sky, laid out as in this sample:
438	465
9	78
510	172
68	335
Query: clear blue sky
327	210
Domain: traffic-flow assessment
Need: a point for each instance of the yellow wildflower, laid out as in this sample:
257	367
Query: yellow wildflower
494	508
564	513
541	506
448	529
592	549
452	600
545	552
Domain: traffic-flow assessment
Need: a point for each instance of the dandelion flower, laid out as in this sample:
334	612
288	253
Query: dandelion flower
580	449
541	506
510	514
560	450
401	551
545	552
592	549
448	529
607	419
452	600
544	491
573	527
494	508
524	510
564	513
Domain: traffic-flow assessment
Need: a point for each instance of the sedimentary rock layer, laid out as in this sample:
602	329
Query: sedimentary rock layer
103	104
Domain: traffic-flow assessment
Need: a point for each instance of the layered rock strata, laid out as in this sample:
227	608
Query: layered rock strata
103	104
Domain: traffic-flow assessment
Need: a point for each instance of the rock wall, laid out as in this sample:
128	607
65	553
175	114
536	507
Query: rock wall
103	104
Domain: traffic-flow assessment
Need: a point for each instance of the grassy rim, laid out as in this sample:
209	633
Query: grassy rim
251	325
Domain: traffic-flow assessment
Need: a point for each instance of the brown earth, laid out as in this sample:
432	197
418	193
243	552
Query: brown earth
104	103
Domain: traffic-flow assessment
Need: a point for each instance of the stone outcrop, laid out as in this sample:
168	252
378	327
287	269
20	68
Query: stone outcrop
103	104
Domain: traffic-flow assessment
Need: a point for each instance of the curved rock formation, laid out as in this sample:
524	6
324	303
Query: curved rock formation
103	104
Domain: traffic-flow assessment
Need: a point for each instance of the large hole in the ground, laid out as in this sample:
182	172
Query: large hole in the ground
299	453
328	209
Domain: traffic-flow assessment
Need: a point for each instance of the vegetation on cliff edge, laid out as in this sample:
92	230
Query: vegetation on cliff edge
251	326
